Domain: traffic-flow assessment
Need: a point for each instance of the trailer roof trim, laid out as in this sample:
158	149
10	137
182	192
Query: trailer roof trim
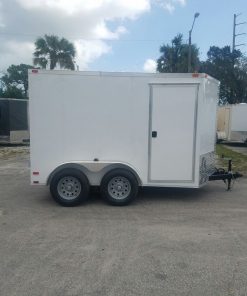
123	74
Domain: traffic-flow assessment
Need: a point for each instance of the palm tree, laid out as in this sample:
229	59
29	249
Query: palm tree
52	50
174	57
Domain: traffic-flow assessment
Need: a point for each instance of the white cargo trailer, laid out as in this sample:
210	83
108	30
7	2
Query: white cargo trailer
232	123
120	131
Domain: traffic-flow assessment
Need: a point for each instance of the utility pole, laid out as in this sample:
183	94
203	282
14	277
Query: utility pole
234	45
235	24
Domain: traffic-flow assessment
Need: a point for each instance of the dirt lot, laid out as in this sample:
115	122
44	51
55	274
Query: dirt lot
169	242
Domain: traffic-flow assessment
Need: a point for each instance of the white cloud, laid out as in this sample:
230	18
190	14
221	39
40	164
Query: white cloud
84	22
150	66
182	2
102	32
170	5
1	17
13	50
125	8
88	51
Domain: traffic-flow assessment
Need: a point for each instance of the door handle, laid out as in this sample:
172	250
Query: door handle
154	134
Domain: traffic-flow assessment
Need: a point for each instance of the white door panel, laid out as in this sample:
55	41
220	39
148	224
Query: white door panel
173	118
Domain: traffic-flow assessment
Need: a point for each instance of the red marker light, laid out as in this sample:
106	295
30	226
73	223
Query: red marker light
195	75
35	71
36	173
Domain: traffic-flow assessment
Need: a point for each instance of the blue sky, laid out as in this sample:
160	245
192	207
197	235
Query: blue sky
145	35
115	35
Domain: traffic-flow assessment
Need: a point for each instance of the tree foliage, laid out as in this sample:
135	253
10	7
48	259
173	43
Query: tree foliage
230	69
16	79
53	51
174	57
12	92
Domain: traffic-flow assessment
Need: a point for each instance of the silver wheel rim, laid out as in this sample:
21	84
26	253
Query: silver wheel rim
69	187
119	187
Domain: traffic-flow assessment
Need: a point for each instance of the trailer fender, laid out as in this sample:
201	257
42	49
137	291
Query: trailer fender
94	171
110	167
66	166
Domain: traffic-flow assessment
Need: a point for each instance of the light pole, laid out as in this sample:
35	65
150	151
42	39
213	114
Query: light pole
190	32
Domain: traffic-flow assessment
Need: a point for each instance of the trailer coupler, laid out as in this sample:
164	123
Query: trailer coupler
226	176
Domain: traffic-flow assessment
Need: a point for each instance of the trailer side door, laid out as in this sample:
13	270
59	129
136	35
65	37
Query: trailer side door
173	116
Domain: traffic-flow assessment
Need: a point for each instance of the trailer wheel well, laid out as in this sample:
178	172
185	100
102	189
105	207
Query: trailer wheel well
110	167
66	166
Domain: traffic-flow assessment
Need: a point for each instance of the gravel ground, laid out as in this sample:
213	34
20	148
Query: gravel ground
10	152
168	242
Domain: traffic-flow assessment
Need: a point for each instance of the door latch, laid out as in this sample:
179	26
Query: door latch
154	134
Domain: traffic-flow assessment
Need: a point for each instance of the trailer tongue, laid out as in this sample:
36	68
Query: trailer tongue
226	176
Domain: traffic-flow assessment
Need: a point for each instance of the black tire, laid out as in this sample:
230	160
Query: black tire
129	187
80	187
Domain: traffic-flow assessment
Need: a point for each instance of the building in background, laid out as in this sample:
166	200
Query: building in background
14	121
232	123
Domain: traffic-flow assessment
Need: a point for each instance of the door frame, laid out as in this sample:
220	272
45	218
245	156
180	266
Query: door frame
197	84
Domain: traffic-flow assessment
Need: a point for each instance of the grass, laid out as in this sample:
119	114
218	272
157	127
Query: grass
239	160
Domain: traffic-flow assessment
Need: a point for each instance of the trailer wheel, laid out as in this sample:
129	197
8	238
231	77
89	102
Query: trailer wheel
69	187
119	187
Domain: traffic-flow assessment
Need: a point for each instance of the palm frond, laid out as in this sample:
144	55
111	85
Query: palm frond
41	62
54	50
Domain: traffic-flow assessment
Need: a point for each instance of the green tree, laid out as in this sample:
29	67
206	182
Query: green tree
52	51
230	69
12	92
16	79
174	57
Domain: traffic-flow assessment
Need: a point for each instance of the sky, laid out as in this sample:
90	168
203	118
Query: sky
116	35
